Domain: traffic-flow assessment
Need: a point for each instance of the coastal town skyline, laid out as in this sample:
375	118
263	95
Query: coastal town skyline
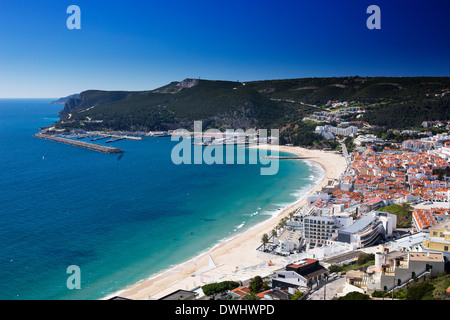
232	151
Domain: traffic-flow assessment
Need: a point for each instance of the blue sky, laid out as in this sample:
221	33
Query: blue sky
140	45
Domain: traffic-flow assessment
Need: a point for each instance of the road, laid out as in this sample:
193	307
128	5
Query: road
331	288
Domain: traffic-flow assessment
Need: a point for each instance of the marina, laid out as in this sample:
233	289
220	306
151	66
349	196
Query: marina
113	139
100	138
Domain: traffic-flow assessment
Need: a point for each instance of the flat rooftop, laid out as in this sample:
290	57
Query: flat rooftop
427	257
425	205
180	295
359	225
343	257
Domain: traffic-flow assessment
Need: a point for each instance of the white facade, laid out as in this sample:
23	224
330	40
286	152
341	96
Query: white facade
290	278
351	130
289	240
319	230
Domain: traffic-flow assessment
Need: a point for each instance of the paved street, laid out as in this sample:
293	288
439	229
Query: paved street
331	288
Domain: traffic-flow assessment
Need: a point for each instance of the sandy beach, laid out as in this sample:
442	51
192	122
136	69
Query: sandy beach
235	258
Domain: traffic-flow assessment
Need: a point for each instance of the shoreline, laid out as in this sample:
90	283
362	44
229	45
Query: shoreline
237	251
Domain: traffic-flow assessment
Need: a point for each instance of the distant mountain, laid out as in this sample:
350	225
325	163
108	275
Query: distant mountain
257	104
64	99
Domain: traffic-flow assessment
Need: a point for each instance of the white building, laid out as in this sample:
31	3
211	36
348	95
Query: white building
367	138
319	230
289	240
392	270
289	279
395	270
351	130
369	229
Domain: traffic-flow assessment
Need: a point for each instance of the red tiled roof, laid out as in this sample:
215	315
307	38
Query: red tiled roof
261	294
241	291
308	261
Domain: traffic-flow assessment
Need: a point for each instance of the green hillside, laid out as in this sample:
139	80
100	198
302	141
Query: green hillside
390	102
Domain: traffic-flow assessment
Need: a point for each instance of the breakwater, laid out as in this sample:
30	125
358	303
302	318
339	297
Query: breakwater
76	143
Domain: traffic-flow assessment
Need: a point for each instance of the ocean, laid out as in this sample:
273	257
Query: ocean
119	217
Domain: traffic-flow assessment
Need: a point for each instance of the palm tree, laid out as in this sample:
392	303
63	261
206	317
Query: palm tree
265	239
274	233
251	296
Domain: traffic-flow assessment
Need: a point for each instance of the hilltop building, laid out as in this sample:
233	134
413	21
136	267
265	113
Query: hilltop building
393	270
327	129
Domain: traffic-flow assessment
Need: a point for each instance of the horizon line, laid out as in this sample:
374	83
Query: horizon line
199	78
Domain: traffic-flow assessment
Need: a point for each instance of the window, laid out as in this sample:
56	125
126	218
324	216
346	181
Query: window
445	248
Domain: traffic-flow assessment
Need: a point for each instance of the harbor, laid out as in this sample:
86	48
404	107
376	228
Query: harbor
78	143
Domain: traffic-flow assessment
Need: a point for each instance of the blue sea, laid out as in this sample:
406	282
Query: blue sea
120	218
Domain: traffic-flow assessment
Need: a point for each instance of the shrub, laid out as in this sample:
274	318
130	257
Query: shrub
365	257
297	296
378	294
335	268
355	296
422	291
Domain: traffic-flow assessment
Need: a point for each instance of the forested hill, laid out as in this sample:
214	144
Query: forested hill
400	101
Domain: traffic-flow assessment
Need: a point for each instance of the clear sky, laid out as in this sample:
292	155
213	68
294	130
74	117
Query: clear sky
144	44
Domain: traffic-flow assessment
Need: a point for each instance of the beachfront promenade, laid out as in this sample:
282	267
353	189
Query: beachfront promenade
76	143
269	263
216	273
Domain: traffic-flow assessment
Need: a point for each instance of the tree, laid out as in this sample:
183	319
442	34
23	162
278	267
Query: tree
212	289
251	296
265	240
257	285
349	144
274	232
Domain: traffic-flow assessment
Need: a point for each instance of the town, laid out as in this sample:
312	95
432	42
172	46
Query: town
382	227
